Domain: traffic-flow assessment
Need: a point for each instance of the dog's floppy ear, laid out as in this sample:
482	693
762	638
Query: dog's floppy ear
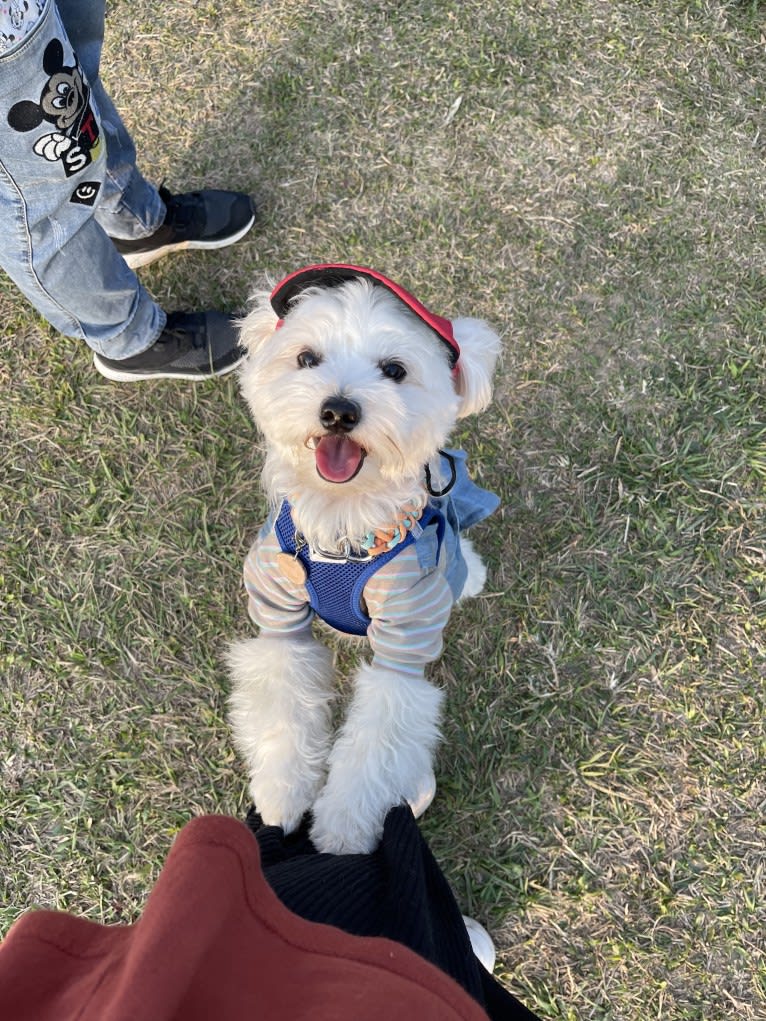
479	349
259	324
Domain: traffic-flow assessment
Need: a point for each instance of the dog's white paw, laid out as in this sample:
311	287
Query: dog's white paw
280	717
477	571
281	791
347	825
286	813
352	822
423	794
381	758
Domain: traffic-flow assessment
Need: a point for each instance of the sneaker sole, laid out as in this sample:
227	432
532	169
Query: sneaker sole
123	376
481	943
138	259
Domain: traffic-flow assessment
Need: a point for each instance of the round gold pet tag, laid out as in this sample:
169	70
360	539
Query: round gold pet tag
291	568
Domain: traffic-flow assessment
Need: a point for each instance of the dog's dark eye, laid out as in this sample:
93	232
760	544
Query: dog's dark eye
393	370
308	360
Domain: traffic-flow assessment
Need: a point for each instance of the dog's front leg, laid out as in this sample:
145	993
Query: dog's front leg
382	757
280	718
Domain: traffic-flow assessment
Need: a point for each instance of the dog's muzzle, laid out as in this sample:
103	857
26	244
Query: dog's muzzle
339	458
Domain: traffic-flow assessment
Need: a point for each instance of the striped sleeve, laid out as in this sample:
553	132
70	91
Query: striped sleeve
275	604
409	611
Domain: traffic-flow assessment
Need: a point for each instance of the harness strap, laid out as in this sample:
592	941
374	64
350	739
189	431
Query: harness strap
335	587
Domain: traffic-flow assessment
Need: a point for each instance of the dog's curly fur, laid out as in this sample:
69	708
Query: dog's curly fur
342	340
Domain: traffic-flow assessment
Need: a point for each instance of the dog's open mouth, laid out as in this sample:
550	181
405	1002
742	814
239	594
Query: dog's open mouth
338	458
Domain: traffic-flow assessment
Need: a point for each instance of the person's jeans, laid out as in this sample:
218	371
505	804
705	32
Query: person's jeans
67	177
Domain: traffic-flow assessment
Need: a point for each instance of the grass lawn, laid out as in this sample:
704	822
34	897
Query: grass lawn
589	177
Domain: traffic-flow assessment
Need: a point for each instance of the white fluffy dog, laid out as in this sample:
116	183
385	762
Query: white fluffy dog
355	386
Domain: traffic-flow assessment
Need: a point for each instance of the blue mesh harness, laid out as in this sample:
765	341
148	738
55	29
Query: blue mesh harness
335	586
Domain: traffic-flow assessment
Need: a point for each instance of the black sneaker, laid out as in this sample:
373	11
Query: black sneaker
193	345
199	219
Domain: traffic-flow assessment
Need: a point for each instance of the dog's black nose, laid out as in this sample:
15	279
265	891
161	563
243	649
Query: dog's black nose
339	414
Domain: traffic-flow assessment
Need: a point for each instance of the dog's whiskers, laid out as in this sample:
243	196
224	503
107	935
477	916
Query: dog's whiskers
391	443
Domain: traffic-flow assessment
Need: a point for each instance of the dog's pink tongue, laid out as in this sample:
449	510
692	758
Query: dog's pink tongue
338	458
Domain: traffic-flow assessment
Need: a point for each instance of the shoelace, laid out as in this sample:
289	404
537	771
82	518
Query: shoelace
196	336
183	211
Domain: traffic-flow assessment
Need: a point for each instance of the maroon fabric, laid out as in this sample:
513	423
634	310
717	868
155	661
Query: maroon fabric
333	273
214	942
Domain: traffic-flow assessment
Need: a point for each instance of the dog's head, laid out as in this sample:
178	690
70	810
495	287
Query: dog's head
354	384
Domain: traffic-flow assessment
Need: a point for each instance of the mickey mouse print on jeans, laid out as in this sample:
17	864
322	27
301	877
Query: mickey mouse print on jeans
65	104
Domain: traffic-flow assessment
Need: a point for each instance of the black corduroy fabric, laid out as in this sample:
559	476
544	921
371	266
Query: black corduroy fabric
398	892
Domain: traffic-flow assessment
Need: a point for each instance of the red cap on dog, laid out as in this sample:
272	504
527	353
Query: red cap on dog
332	274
